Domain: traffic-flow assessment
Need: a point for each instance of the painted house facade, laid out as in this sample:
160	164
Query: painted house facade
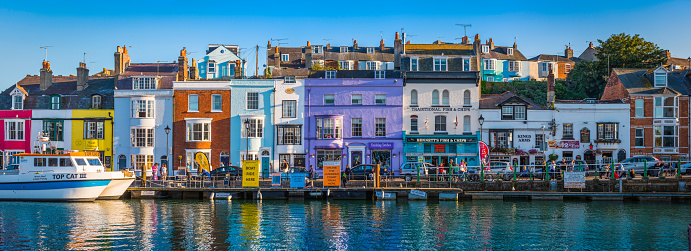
503	63
221	62
289	109
658	102
440	113
561	65
143	111
354	121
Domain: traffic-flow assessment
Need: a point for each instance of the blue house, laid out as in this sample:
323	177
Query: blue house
503	63
221	62
251	122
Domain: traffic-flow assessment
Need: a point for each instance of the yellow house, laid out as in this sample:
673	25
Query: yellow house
92	130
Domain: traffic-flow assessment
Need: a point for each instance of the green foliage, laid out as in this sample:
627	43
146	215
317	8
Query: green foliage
530	90
321	67
618	51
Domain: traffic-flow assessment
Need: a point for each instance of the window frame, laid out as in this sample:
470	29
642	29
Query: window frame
467	100
440	64
565	130
445	98
332	98
204	130
637	137
190	103
98	129
285	57
19	130
380	127
467	126
662	136
659	110
329	74
251	101
435	100
256	130
414	66
336	128
94	104
55	102
291	106
17	104
142	137
608	130
55	129
353	99
283	139
660	82
378	100
439	125
215	102
356	128
489	64
485	48
211	67
639	111
414	126
509	51
379	74
317	49
148	109
144	83
514	66
370	50
413	97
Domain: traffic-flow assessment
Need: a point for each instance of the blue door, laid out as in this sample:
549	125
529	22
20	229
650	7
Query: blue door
265	167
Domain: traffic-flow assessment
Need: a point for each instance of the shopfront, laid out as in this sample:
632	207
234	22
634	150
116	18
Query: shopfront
441	150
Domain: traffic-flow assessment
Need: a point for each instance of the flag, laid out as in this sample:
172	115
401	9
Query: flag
456	121
426	119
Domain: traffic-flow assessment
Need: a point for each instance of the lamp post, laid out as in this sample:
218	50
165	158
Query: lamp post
247	135
481	120
167	130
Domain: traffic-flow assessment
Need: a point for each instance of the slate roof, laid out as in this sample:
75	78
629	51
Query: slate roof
167	71
493	101
551	58
499	52
640	81
683	62
296	55
355	74
585	101
66	87
589	54
439	49
298	72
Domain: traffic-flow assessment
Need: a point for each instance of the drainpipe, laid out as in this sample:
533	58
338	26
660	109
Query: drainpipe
273	118
307	125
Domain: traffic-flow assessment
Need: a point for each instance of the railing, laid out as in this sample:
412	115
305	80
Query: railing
443	176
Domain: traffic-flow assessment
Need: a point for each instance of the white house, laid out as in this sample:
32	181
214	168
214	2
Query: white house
289	123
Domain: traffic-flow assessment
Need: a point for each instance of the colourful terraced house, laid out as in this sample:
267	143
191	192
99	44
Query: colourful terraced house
503	63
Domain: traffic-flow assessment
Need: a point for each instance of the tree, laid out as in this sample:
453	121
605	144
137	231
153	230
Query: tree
618	51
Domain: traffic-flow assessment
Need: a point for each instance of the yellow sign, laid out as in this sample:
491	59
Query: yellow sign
202	160
290	90
91	144
92	154
332	173
250	173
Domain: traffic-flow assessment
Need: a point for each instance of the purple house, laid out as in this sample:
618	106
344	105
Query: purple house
354	121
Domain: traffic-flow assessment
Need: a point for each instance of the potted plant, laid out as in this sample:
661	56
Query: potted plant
553	157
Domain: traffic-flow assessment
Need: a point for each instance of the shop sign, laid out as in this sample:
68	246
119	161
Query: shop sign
387	145
440	140
565	144
484	152
250	173
440	109
439	148
439	154
524	138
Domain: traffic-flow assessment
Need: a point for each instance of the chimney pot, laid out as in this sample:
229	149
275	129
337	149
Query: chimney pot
308	43
82	76
397	36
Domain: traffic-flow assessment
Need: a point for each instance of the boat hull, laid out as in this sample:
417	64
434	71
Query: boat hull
116	188
82	190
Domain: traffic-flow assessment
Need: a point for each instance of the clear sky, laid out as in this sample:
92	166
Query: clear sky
157	30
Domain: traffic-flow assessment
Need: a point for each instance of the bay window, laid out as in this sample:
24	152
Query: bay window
199	130
289	134
142	137
142	108
666	136
666	107
607	131
256	128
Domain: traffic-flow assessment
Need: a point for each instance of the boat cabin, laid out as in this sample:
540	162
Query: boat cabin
67	162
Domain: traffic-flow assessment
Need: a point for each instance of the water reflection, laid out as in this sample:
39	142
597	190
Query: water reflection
356	225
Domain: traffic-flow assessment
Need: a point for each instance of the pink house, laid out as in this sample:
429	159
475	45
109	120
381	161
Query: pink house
15	124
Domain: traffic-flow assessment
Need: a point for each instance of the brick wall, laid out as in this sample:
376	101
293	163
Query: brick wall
647	124
614	89
220	124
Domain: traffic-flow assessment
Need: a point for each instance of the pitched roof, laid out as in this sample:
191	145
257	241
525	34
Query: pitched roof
492	101
589	54
640	81
167	71
551	58
499	52
66	87
439	49
683	62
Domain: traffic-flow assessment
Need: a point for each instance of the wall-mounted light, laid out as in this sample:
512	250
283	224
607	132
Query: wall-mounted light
312	155
394	155
368	155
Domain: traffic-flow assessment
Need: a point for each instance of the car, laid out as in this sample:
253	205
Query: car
496	169
637	163
364	172
409	170
686	168
226	172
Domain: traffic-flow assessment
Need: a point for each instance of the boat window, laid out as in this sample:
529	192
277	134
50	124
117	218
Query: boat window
65	162
80	162
39	161
94	161
53	162
12	167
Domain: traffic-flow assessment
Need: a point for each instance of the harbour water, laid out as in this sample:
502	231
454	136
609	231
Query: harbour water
338	225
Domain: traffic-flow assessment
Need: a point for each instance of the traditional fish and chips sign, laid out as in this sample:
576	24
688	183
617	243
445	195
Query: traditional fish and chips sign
332	173
250	173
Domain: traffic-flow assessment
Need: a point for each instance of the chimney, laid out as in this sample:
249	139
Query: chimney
407	42
277	58
238	69
491	44
550	87
516	47
309	44
182	65
122	60
568	52
477	48
381	45
328	46
194	73
354	44
397	51
268	45
590	45
46	76
82	76
668	54
308	55
464	40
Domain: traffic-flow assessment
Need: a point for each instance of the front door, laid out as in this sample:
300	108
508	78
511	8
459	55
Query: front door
265	167
122	162
355	158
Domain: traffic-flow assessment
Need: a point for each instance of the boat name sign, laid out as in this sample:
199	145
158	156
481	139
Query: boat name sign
69	176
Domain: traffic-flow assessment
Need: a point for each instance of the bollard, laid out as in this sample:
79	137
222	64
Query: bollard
418	173
679	168
612	169
515	166
531	174
376	176
547	172
645	168
580	168
482	171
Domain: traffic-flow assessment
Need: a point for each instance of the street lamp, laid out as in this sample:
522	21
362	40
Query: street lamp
481	120
247	135
167	130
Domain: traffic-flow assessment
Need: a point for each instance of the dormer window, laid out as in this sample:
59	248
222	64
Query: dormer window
510	112
660	79
96	101
485	49
285	57
317	49
17	102
55	102
344	49
290	79
509	51
144	83
370	50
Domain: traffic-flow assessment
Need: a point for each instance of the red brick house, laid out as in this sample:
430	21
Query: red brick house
659	101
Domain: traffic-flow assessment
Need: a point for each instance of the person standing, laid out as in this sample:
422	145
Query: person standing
311	176
285	166
154	171
348	172
164	172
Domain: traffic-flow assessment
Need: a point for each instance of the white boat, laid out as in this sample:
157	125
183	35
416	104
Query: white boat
73	176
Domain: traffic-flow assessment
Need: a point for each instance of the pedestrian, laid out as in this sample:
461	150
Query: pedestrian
188	171
572	166
164	172
285	166
311	176
348	172
154	170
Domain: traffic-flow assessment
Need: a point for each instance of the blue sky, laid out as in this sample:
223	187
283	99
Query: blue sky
157	30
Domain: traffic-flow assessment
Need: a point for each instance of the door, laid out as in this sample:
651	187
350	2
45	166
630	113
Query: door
355	158
265	167
122	162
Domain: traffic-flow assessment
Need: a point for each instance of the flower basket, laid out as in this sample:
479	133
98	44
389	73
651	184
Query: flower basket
553	157
608	141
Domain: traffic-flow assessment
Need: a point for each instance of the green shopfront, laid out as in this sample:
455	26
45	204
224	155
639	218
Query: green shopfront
441	149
